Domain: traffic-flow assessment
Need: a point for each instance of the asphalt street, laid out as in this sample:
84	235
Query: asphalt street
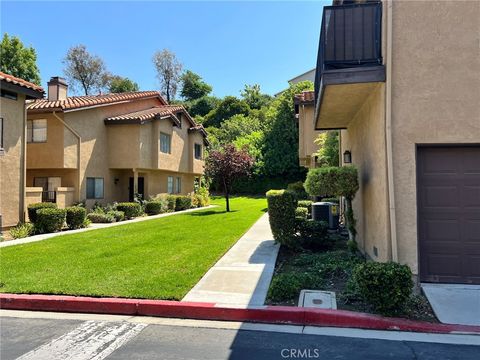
123	338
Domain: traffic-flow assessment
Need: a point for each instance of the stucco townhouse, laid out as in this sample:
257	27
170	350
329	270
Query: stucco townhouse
107	148
401	80
14	93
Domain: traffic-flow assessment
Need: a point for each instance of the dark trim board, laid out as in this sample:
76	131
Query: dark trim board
30	93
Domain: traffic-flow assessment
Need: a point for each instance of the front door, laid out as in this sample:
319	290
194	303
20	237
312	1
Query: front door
449	214
141	188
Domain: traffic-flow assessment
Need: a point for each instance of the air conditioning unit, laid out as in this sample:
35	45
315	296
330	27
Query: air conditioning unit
328	212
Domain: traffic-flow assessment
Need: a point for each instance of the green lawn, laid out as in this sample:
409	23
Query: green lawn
155	259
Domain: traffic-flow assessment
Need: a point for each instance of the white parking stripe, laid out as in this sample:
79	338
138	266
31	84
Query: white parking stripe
93	340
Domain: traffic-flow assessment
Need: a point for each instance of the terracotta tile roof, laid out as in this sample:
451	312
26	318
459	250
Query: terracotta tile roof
20	82
78	102
305	97
144	116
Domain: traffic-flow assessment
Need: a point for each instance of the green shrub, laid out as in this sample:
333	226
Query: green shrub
306	204
98	217
117	215
298	189
301	212
50	220
32	209
314	235
171	201
281	212
286	286
183	202
75	217
156	207
385	286
204	193
130	209
22	230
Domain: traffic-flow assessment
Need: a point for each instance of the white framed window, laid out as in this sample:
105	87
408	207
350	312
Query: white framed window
94	188
179	185
170	185
165	143
37	130
198	152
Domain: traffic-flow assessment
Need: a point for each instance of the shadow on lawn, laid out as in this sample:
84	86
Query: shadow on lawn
210	212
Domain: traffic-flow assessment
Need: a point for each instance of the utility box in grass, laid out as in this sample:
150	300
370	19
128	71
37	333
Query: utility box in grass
326	211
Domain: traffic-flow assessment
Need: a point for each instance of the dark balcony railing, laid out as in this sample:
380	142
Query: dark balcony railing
350	36
49	196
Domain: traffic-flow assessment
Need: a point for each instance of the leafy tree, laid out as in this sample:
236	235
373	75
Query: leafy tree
228	107
18	60
168	72
329	148
85	70
253	144
254	98
202	106
120	84
227	164
281	140
193	87
237	126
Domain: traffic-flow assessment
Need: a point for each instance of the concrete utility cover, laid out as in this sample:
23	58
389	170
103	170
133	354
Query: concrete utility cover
317	299
454	304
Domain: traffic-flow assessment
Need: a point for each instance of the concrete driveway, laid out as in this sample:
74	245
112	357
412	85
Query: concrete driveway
454	303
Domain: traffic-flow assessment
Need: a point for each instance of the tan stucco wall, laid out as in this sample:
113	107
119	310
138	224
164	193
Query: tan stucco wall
307	134
65	197
365	138
33	195
12	160
196	166
435	94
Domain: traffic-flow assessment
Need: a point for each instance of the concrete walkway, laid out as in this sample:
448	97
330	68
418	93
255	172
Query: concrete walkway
93	226
454	304
242	276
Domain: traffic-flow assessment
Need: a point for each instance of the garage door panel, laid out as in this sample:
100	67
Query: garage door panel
448	208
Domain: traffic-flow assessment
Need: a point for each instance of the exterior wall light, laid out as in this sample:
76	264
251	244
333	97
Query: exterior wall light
347	157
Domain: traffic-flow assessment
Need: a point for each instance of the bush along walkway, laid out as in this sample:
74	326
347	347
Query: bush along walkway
242	276
95	226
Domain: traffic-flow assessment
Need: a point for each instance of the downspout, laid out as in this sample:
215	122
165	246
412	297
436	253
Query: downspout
24	164
388	135
79	140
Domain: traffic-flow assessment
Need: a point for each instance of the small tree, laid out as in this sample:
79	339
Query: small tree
329	148
226	165
335	181
85	70
18	60
168	72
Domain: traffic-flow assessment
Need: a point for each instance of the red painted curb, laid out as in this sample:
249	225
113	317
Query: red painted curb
208	311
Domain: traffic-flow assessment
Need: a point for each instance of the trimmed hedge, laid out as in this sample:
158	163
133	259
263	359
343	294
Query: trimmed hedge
301	212
281	212
156	207
298	189
102	218
286	286
32	209
130	209
171	202
307	204
385	286
75	217
183	202
50	220
314	235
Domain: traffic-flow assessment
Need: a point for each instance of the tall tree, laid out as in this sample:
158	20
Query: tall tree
168	72
118	84
193	87
329	148
84	70
254	97
18	60
227	164
229	106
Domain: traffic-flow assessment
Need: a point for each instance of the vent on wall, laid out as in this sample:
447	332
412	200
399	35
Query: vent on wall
375	251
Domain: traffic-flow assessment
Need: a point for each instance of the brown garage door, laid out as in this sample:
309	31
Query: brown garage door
449	214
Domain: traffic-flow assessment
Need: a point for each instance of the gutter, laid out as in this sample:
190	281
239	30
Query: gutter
79	140
389	137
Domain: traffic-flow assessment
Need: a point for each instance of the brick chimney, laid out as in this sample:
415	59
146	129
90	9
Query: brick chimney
57	88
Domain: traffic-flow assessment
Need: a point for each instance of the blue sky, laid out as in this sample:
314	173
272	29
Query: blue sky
228	43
